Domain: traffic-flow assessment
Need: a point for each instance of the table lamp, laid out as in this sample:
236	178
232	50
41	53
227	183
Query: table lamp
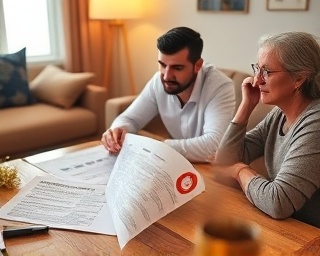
115	11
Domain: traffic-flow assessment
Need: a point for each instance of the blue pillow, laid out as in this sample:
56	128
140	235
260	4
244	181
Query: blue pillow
14	87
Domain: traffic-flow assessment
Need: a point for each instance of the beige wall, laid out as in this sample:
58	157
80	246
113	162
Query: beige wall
230	40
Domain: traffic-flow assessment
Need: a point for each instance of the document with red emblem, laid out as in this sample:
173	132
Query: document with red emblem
148	180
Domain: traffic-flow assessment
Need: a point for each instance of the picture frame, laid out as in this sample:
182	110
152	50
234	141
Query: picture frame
287	5
229	6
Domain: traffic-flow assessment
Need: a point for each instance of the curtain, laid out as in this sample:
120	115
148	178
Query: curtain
86	41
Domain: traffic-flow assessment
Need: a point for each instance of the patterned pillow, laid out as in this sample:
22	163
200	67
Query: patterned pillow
14	87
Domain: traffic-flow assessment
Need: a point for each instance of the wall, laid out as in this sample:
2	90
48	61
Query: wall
230	40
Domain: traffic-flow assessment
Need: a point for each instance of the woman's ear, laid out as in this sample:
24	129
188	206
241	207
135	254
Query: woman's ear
300	79
198	65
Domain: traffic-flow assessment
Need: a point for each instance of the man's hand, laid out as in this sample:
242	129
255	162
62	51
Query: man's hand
112	139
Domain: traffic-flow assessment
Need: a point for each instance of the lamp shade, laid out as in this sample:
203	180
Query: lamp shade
115	9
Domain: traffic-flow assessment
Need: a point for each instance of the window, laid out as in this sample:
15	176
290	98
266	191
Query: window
34	24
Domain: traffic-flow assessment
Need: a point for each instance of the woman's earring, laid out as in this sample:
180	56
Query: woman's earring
297	89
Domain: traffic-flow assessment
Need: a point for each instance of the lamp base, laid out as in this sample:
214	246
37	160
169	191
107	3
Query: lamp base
118	24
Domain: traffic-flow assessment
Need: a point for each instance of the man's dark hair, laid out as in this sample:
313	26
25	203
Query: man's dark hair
179	38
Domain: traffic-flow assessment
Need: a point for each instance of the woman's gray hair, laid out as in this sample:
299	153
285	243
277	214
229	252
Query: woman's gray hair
299	53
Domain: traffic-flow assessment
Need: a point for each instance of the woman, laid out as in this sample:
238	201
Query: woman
287	75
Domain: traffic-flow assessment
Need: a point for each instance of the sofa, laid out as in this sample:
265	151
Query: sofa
63	109
156	129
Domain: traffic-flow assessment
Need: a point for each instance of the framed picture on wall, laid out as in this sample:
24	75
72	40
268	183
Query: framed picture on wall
234	6
287	5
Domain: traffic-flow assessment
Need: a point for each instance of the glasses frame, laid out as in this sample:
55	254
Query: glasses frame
263	72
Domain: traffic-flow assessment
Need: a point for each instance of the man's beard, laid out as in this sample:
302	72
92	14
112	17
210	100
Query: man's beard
178	87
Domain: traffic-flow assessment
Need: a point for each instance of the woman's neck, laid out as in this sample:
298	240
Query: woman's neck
295	109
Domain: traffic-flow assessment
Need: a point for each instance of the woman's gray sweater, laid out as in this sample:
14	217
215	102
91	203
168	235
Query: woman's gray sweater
292	161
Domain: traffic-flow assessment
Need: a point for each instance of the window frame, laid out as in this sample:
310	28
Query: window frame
56	34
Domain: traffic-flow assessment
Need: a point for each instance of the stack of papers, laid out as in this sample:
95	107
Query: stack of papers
91	190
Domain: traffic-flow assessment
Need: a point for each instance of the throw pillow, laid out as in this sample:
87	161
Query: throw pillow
14	87
58	87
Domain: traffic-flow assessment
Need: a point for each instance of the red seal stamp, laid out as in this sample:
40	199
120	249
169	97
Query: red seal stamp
186	182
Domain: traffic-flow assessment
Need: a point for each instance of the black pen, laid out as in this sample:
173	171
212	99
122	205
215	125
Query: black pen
9	232
3	251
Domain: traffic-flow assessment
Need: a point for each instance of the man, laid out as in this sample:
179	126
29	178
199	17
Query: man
195	101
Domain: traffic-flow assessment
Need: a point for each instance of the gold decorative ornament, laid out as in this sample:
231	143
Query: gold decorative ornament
9	177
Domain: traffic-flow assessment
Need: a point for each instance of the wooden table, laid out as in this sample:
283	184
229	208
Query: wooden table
175	234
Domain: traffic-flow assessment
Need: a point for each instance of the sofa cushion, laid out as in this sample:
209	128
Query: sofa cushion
14	87
40	125
59	87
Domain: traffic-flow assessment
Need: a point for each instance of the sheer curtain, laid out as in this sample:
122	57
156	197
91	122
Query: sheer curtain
86	41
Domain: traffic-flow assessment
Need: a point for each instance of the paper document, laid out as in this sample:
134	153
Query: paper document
61	204
148	180
92	165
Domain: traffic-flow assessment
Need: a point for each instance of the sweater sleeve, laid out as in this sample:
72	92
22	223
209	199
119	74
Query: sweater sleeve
238	145
293	165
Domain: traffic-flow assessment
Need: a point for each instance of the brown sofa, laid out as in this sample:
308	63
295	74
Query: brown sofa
156	129
37	127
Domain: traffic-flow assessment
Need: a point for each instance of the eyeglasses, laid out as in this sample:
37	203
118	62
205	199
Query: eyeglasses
263	72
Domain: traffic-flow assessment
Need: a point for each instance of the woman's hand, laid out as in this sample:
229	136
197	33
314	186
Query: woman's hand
250	92
236	174
250	99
